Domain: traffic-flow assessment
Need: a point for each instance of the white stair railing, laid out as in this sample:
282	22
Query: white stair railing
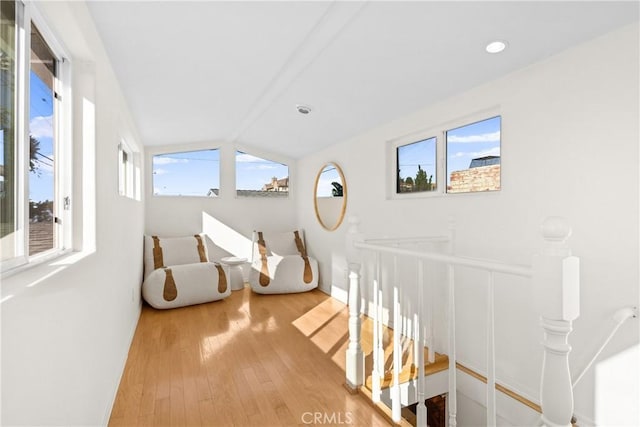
555	276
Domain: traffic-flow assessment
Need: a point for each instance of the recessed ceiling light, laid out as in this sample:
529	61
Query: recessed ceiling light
496	46
303	109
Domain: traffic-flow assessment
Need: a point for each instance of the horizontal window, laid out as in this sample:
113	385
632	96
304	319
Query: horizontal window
258	177
189	173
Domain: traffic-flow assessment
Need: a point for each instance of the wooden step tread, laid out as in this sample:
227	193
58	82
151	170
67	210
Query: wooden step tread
409	371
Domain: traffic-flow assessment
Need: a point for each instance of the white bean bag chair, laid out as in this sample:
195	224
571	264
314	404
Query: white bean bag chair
281	265
177	273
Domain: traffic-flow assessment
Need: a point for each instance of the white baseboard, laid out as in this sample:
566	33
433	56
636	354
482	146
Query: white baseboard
123	364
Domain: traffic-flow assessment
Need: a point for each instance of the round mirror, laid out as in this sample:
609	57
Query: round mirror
330	196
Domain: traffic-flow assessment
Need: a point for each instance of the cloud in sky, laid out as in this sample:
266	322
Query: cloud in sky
248	158
495	151
256	163
160	171
162	160
41	127
485	137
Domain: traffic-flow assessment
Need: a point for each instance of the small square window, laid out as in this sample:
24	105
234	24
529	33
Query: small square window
473	157
416	167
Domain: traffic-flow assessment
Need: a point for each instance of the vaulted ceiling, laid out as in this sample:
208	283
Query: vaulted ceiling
233	72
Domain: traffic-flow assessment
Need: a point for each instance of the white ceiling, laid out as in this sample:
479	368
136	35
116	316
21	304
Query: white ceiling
233	72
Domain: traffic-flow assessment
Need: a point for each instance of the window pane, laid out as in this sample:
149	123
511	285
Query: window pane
7	130
190	173
256	177
41	145
473	157
416	166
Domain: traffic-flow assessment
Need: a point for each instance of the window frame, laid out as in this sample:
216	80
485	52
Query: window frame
435	166
392	154
440	133
175	151
469	122
27	14
126	171
239	150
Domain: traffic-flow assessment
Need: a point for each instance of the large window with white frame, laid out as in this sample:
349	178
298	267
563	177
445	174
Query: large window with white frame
33	194
458	157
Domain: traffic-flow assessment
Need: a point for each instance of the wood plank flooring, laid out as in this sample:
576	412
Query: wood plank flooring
249	360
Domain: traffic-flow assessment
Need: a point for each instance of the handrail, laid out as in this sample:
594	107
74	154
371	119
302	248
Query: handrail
488	265
408	240
620	316
555	278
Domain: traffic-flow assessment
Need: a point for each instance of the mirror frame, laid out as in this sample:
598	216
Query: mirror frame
343	208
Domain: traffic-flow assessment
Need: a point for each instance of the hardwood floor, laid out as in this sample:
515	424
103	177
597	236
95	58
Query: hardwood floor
249	360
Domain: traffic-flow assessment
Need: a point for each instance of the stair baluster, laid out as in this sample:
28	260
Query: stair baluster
421	409
377	338
396	406
491	360
453	401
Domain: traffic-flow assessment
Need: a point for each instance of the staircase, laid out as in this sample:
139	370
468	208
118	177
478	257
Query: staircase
403	370
436	372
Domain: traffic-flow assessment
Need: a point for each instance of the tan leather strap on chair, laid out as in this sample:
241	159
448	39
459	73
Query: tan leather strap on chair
157	253
201	253
170	291
308	274
264	270
222	279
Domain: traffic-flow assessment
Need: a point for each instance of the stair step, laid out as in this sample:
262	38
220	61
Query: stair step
409	371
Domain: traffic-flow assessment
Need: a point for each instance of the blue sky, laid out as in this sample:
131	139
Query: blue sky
253	172
420	153
41	181
190	173
472	141
194	173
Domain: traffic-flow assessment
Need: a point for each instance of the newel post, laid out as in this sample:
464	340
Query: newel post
556	284
354	355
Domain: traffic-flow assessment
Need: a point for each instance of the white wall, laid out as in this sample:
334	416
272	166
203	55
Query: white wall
569	148
67	324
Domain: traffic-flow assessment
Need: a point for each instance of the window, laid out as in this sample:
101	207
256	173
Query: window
42	145
473	157
33	194
416	166
257	177
190	173
126	171
8	133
